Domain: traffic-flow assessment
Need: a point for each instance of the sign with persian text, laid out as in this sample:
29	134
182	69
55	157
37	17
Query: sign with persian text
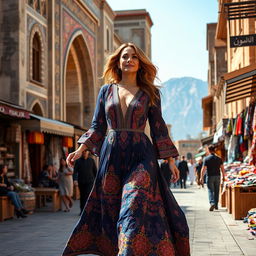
241	41
14	112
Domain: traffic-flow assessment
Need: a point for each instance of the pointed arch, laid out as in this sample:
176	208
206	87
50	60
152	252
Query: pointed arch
37	108
79	90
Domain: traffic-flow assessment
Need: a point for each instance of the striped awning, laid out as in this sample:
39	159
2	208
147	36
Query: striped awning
240	84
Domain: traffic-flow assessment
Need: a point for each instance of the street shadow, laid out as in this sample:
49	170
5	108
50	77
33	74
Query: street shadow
182	191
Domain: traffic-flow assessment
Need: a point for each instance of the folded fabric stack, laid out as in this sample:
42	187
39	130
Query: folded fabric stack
240	174
251	220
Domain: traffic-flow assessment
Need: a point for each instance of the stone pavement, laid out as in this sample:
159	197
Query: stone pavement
211	233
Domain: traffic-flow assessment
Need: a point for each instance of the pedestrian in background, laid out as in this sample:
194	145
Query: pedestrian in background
198	168
183	168
65	181
191	168
85	171
166	172
177	161
214	166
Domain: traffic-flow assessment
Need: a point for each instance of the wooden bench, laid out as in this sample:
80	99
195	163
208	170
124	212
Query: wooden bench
6	208
42	193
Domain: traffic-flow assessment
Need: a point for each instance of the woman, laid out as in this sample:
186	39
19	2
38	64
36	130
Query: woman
130	210
65	181
6	189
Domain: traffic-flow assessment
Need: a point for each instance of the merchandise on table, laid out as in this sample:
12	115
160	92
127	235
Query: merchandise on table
240	174
251	220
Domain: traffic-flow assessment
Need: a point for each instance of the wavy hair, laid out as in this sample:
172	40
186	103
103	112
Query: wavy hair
146	74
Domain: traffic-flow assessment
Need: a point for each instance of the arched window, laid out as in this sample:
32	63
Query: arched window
37	110
36	58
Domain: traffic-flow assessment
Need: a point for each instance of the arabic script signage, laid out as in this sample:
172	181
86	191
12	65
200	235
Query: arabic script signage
14	112
240	41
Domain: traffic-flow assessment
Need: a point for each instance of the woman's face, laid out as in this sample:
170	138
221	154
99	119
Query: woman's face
129	61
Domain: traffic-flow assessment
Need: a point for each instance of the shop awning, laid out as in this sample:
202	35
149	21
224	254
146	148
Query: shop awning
47	125
240	84
207	140
200	154
13	110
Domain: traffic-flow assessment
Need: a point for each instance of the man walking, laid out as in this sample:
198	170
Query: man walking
183	168
214	165
84	174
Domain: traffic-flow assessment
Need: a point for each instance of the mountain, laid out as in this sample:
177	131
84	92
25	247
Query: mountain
181	106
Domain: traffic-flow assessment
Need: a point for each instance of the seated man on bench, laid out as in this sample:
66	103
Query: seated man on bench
6	189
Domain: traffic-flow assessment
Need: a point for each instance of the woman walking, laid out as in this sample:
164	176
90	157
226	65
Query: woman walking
130	211
65	181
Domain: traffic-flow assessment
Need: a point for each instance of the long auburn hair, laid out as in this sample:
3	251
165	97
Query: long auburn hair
146	74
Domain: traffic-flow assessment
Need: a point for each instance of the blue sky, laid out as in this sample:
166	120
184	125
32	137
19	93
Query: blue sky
178	34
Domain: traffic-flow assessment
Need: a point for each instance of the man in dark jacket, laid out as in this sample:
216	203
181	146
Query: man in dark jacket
183	168
84	174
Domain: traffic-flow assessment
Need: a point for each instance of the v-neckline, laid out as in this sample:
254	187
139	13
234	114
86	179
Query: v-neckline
123	115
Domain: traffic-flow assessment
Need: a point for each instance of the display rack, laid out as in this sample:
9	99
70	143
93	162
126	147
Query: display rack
8	159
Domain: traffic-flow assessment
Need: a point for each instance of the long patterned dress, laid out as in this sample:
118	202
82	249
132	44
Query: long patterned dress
130	211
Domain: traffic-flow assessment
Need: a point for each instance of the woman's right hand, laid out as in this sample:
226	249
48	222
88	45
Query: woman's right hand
72	157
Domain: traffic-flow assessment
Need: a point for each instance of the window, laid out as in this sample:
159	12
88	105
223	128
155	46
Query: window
108	40
36	58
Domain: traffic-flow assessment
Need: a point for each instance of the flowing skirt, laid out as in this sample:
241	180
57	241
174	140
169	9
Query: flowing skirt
130	211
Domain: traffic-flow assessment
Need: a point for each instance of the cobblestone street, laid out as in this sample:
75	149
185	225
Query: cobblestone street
211	233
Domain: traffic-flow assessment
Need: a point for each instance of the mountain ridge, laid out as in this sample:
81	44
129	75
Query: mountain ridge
181	105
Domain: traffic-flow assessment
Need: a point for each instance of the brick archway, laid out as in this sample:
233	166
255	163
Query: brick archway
78	83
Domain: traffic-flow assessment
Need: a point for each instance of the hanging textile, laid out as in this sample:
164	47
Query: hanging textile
253	147
235	125
26	172
230	127
232	148
239	124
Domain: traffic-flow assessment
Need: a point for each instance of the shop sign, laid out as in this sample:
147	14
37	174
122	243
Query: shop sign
14	112
241	41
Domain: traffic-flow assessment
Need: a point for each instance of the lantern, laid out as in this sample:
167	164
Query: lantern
36	138
67	142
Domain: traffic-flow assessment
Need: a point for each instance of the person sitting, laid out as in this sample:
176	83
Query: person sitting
6	189
48	177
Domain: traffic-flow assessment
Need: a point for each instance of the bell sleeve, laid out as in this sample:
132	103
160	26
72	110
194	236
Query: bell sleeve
162	143
94	137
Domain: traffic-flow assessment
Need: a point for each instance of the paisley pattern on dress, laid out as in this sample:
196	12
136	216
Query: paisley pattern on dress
130	211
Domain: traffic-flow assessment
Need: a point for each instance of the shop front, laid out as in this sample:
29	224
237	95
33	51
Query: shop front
48	140
11	138
240	143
